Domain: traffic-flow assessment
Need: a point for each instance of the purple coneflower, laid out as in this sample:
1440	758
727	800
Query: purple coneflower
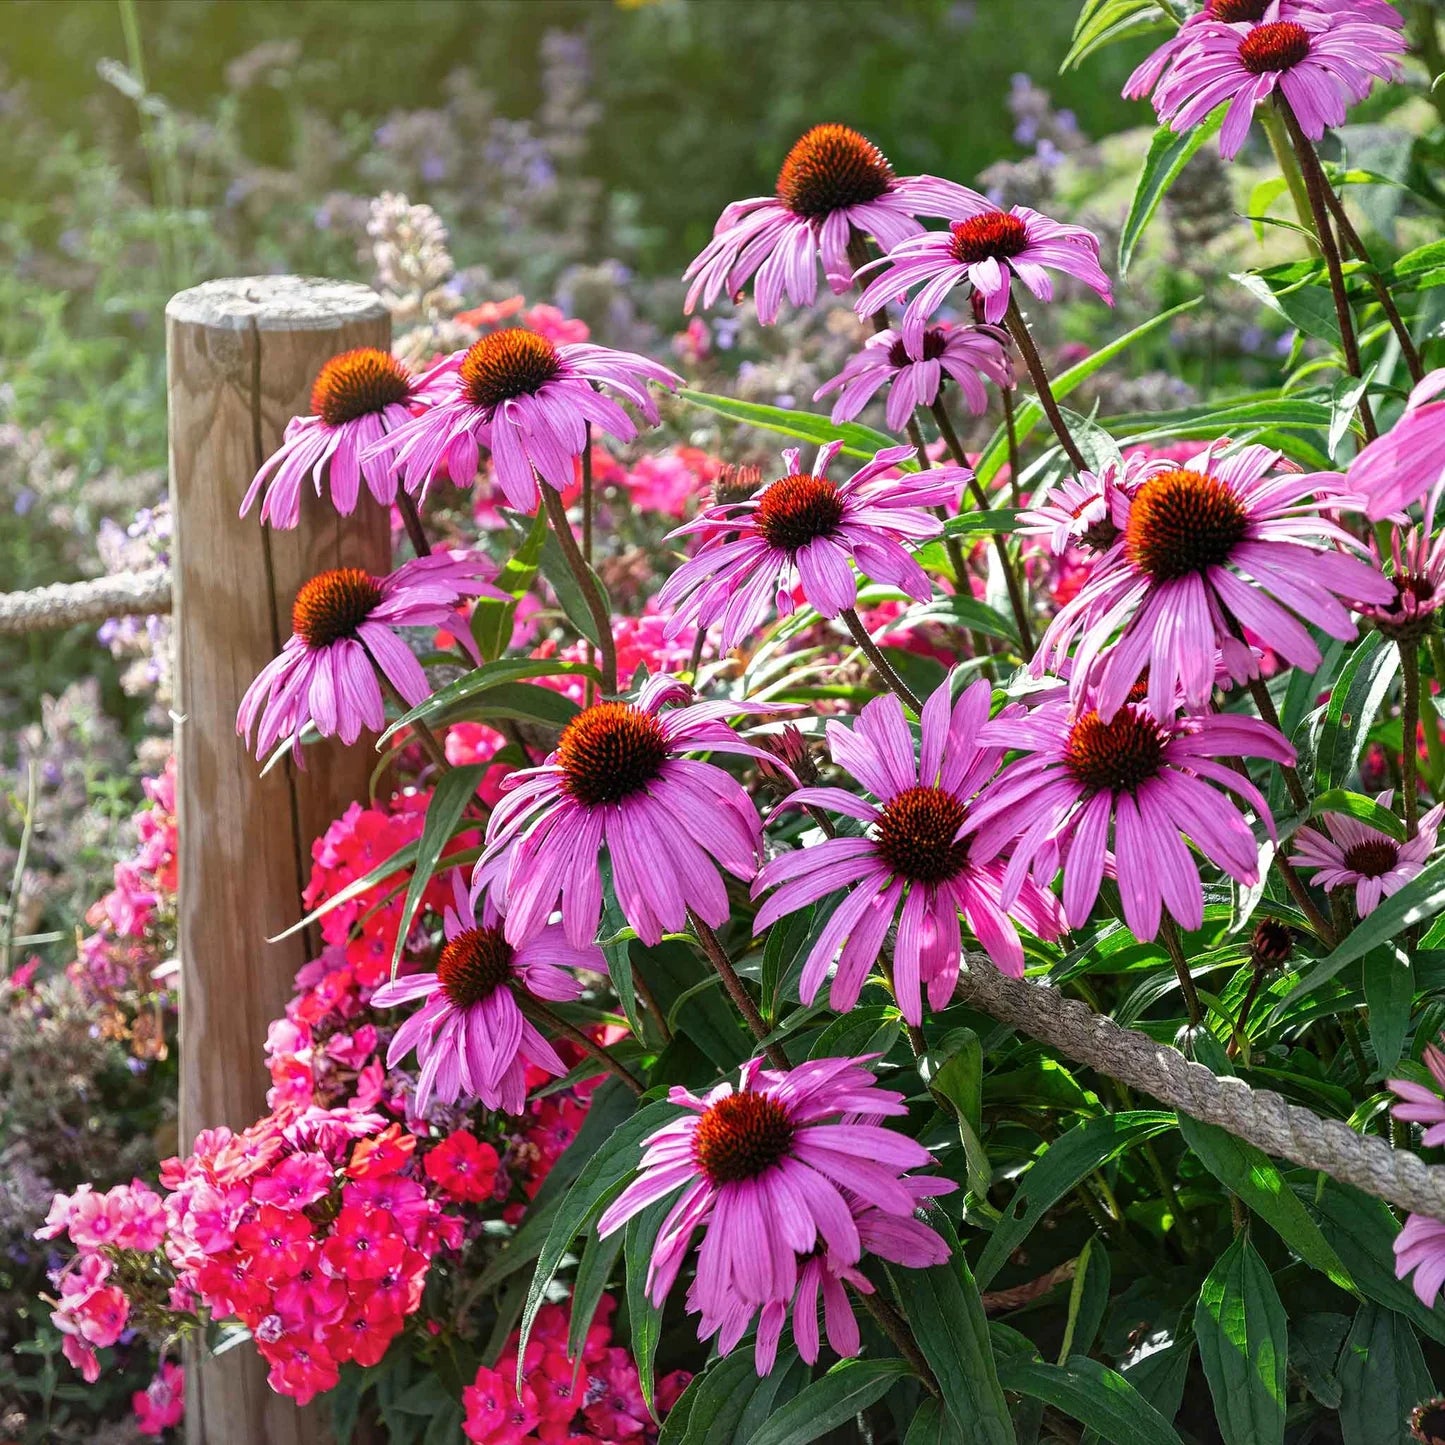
1248	13
1423	1105
618	780
1320	62
343	633
804	529
471	1037
823	1278
1417	573
1079	511
916	371
834	184
986	247
1408	462
770	1171
528	401
357	398
1420	1250
1151	780
912	862
1351	854
1171	584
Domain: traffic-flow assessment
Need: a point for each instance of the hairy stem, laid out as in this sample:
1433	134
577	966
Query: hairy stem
1011	431
540	1013
589	691
1000	545
1174	946
1319	206
582	573
411	519
881	665
1018	329
737	990
1264	705
900	1333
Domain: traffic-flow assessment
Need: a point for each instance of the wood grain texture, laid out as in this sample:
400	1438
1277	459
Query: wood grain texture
241	356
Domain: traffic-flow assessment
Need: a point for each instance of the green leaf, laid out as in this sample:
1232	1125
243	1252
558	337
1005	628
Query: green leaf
1070	1158
1345	398
601	1180
1169	153
726	1403
594	1270
946	1312
1421	898
1357	805
931	1425
454	790
455	699
1420	269
1382	1377
1103	22
1251	1174
858	441
1355	701
833	1400
970	524
1092	1394
569	591
643	1317
1242	1334
492	619
1389	981
1310	309
1088	1299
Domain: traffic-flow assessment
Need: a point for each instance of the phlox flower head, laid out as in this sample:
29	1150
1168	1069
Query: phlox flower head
1203	550
471	1036
834	185
162	1403
770	1171
1082	777
344	633
803	529
357	398
1348	853
463	1167
1319	61
620	780
988	248
916	371
912	864
1407	464
529	401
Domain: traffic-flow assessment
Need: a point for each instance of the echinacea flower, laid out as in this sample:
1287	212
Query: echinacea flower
911	863
1247	13
619	780
987	247
1171	585
343	633
1421	1104
1417	572
834	184
1080	774
824	1279
1319	62
1408	462
472	1037
530	402
1420	1250
767	1171
1079	510
917	371
802	528
357	398
1349	853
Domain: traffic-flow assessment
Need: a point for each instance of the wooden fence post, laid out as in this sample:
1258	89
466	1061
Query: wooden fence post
241	356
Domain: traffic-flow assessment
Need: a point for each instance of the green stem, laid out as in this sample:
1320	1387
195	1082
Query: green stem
1000	543
1434	742
582	573
1174	946
1264	703
1010	427
1018	329
1288	163
1238	1039
539	1012
1319	206
1409	729
881	665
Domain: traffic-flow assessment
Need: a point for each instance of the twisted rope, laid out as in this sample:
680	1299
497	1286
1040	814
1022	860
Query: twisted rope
68	604
1257	1115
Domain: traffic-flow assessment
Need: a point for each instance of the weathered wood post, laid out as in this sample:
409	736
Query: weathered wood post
241	356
